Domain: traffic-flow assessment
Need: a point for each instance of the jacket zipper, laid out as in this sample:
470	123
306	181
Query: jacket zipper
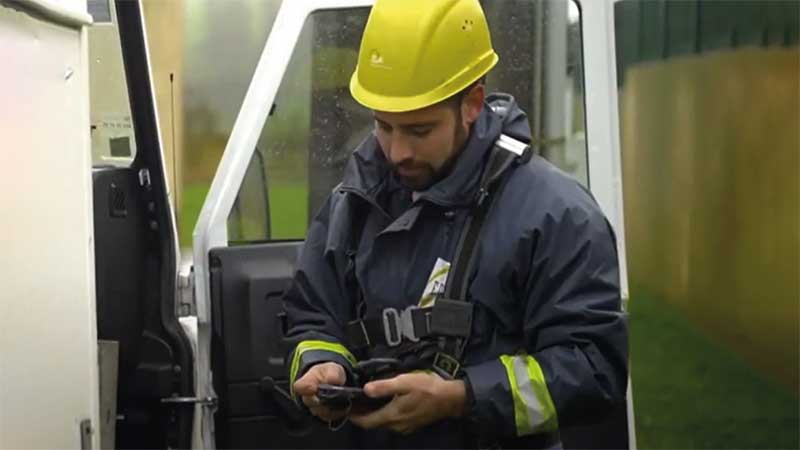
367	199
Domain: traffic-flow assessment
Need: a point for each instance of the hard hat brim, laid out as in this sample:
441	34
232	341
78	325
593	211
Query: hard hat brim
446	90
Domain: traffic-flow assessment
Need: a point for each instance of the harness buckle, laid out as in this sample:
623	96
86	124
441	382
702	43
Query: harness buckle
446	366
392	327
407	324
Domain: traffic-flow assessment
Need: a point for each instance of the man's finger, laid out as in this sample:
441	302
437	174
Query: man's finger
311	401
402	428
377	418
398	385
332	374
305	386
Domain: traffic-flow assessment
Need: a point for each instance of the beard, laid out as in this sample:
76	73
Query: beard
421	176
417	177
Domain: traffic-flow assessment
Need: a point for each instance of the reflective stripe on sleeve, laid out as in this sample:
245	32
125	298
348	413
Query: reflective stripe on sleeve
306	346
533	408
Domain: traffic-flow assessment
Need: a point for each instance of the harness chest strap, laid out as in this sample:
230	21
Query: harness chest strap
450	318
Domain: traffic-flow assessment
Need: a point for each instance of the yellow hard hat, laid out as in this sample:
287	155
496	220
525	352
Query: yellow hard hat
415	53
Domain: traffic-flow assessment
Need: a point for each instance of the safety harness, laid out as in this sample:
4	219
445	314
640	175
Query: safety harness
435	337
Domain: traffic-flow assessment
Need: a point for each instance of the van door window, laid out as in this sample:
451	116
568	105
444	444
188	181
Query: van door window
315	123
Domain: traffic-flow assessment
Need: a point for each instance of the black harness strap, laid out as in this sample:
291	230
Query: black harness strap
500	160
450	318
507	152
361	214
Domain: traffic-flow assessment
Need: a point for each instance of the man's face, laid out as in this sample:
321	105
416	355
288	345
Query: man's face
422	145
418	144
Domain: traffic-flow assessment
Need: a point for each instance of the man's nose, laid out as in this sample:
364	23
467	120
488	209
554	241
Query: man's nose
400	149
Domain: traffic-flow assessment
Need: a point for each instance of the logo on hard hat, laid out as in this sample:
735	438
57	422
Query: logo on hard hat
376	60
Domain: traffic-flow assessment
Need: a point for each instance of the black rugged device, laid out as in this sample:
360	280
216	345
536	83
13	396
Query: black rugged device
347	397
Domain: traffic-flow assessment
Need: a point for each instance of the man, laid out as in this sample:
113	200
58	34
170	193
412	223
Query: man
535	339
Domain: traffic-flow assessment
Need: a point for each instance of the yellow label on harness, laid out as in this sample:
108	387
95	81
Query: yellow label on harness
436	283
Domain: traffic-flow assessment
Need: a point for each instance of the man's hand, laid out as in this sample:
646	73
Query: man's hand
420	398
306	387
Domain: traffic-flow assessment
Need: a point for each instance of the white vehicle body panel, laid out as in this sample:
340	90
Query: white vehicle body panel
602	119
48	340
602	132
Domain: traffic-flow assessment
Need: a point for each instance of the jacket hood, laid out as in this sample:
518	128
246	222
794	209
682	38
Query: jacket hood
368	172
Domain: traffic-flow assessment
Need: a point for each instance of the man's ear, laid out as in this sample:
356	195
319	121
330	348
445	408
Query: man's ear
472	104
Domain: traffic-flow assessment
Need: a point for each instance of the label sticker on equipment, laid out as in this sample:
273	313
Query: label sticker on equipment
436	283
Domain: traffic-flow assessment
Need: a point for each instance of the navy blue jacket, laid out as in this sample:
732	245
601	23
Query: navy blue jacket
549	340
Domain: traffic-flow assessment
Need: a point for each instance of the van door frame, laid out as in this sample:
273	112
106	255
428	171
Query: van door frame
211	229
603	136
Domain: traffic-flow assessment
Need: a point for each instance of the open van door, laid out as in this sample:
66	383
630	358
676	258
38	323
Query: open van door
287	151
147	379
283	156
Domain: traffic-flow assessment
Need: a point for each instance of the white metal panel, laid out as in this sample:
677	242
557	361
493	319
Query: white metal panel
68	13
602	132
602	118
48	337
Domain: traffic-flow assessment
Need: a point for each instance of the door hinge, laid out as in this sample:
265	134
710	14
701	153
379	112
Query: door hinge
86	431
207	402
186	304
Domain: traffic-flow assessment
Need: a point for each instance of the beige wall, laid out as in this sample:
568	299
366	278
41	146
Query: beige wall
164	20
710	157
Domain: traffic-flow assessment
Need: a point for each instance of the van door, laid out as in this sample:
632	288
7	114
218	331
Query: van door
135	244
287	150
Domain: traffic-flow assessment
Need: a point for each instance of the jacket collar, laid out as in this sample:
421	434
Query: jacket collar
367	173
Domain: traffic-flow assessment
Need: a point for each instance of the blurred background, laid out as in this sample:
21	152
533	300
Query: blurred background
709	104
709	111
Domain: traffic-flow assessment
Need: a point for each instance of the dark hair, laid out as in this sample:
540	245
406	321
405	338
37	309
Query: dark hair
455	100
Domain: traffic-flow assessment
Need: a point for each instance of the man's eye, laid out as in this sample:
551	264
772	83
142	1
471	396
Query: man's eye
422	132
384	127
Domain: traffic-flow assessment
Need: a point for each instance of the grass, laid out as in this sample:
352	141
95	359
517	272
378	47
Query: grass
288	210
192	199
689	392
